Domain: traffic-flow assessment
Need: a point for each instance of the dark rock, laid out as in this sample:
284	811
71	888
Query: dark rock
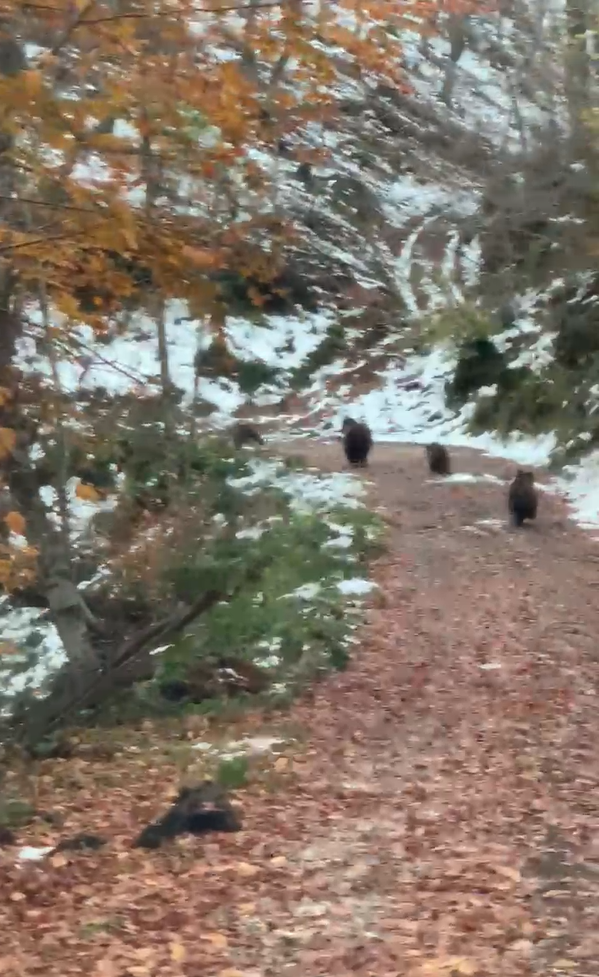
197	811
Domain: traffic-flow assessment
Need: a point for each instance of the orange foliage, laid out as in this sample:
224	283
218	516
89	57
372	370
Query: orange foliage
15	522
87	493
7	441
137	145
155	68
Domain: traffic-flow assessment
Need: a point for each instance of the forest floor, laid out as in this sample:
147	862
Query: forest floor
440	814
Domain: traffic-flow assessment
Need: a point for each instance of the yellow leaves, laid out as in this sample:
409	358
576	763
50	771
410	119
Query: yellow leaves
246	908
218	940
32	83
449	966
17	565
200	257
246	870
130	236
178	952
15	522
8	440
68	305
106	968
87	493
509	873
5	572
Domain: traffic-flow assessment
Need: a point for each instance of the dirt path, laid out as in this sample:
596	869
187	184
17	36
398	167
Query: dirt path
458	762
443	815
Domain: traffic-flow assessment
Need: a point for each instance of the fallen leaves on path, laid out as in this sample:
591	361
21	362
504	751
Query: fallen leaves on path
440	818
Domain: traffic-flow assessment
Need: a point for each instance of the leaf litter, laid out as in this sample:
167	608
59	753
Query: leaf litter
436	817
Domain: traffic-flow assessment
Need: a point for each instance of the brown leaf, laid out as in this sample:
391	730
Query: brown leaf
508	872
106	968
246	908
246	870
7	441
178	952
87	492
216	939
15	522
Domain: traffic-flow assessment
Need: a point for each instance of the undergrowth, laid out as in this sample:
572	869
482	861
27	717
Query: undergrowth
278	542
292	622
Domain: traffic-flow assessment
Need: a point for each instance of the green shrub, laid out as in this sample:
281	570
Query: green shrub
232	773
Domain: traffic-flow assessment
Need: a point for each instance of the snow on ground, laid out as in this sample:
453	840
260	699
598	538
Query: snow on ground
580	484
255	745
466	478
131	360
357	586
30	854
306	492
28	630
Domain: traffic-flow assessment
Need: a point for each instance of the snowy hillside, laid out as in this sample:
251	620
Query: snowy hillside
395	212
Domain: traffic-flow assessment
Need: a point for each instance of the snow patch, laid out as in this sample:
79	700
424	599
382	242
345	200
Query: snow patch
356	586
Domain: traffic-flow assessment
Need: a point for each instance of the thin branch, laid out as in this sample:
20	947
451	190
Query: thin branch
42	240
245	6
46	203
107	20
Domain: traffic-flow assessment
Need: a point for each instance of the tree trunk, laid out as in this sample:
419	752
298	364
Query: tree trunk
457	31
579	21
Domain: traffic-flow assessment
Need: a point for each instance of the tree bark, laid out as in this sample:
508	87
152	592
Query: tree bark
579	20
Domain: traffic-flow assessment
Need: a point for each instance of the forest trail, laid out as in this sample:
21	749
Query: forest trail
460	747
440	815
